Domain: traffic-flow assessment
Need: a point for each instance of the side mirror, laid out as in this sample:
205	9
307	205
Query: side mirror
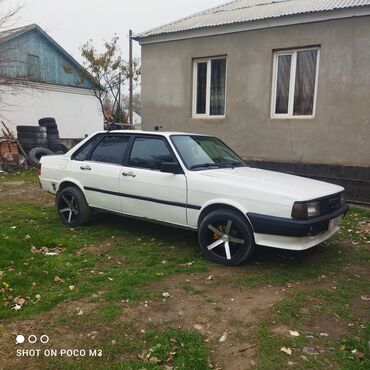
171	167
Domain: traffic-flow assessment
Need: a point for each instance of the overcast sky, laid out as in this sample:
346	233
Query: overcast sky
73	22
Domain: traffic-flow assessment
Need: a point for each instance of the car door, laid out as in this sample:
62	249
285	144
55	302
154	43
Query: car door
100	170
148	192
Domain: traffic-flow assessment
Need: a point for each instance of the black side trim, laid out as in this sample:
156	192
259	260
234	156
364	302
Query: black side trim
147	199
271	225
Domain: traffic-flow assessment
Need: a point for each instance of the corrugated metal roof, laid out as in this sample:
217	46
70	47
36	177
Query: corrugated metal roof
242	11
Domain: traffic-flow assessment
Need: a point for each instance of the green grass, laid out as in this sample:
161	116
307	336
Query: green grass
29	176
134	255
141	248
188	349
278	267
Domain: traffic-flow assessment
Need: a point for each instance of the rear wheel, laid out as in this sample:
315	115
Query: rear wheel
72	207
225	237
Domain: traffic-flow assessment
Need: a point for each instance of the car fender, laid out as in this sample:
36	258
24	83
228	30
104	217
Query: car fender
72	181
227	202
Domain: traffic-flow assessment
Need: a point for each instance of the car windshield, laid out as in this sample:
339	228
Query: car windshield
205	152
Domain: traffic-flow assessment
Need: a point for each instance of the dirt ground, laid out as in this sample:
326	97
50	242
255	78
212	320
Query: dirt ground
209	303
212	307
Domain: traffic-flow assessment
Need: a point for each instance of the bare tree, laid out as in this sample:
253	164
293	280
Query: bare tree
136	102
9	16
109	71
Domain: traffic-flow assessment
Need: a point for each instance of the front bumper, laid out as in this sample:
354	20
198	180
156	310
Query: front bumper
270	225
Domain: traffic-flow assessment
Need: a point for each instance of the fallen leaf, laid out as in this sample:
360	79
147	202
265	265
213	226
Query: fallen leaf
71	287
223	338
324	334
57	279
288	351
365	298
19	301
294	333
80	313
154	360
142	356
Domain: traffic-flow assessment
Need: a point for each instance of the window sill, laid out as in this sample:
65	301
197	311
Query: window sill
289	118
208	118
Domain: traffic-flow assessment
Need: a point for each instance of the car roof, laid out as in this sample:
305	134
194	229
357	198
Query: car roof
158	133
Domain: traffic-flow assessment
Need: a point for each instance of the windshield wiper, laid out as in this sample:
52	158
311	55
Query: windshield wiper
232	164
205	165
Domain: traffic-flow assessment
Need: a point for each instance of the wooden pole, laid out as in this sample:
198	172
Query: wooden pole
131	100
11	136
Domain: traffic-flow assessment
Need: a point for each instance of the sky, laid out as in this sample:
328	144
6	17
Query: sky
73	22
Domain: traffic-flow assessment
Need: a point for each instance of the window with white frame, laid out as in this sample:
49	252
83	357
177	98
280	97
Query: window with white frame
294	87
209	87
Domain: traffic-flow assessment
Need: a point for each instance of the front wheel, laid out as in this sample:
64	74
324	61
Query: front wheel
225	237
72	207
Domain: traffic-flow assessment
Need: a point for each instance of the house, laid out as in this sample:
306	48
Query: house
286	83
38	78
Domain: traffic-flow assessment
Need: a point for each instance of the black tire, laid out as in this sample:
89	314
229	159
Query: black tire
226	227
53	138
32	140
35	155
32	135
72	207
49	125
29	146
28	129
53	131
47	119
48	122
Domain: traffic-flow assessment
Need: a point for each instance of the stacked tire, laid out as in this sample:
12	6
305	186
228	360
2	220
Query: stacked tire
38	141
32	136
53	140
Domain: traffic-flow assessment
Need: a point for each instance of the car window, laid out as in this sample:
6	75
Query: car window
200	152
149	153
82	153
111	149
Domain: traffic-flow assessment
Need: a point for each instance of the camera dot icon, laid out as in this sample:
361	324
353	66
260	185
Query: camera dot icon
32	339
44	339
20	339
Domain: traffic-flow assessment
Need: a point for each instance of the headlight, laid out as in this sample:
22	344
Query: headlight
304	210
313	209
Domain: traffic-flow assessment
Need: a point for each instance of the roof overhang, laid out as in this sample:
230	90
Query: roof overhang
254	25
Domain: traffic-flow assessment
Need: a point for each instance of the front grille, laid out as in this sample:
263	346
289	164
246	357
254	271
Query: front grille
330	204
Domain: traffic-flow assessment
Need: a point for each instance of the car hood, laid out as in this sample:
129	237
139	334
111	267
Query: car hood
296	187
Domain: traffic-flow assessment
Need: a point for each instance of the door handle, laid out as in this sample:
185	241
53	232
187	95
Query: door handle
128	174
85	168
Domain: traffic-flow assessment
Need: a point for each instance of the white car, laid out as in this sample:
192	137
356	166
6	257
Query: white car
192	181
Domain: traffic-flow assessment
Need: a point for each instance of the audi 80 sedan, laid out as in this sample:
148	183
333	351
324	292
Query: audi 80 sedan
192	181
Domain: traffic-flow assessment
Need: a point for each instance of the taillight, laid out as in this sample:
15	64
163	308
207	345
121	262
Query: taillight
39	169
